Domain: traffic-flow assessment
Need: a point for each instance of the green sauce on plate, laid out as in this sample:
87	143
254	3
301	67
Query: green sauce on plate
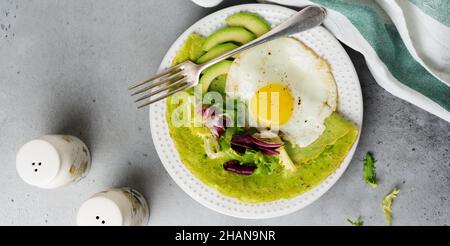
314	163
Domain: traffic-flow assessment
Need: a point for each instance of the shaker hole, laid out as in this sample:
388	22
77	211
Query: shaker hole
39	163
35	170
97	217
103	222
33	164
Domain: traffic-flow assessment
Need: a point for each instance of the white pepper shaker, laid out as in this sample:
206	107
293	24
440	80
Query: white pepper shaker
114	207
53	161
207	3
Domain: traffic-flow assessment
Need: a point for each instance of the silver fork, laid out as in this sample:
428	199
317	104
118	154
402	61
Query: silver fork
186	75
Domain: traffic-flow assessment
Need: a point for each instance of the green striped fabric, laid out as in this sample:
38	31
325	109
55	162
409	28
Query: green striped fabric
383	36
438	9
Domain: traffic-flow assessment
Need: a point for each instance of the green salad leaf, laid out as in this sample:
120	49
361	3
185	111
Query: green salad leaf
225	143
369	173
387	204
357	222
265	163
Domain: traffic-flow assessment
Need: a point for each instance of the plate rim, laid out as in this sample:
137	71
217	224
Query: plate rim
316	195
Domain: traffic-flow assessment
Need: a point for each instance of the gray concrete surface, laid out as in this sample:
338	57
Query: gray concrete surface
65	66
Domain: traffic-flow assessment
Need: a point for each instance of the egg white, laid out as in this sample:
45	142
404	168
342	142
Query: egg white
289	62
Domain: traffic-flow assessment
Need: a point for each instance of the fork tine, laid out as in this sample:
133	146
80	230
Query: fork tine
167	79
153	93
157	76
165	95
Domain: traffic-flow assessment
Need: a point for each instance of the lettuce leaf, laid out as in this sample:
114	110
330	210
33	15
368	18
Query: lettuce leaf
387	204
369	173
357	222
265	163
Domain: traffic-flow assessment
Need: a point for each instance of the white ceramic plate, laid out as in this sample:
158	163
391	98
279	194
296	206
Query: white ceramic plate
350	105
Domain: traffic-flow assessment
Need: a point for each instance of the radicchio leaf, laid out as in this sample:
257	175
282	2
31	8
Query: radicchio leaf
238	149
234	167
267	151
265	144
213	120
240	143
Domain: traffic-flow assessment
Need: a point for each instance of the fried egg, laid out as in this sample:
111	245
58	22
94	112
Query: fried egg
286	86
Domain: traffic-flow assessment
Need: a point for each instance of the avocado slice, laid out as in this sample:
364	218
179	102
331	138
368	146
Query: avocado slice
216	51
228	34
250	21
191	49
213	72
196	49
218	84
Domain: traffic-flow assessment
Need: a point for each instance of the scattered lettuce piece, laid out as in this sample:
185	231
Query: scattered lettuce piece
369	173
357	222
387	203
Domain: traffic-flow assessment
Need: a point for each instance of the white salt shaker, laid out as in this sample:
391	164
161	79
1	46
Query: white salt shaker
114	207
53	161
207	3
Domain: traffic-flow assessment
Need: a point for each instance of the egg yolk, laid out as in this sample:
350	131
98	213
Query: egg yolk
272	105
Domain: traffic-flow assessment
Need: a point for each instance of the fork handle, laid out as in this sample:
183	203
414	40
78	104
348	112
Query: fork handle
303	20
